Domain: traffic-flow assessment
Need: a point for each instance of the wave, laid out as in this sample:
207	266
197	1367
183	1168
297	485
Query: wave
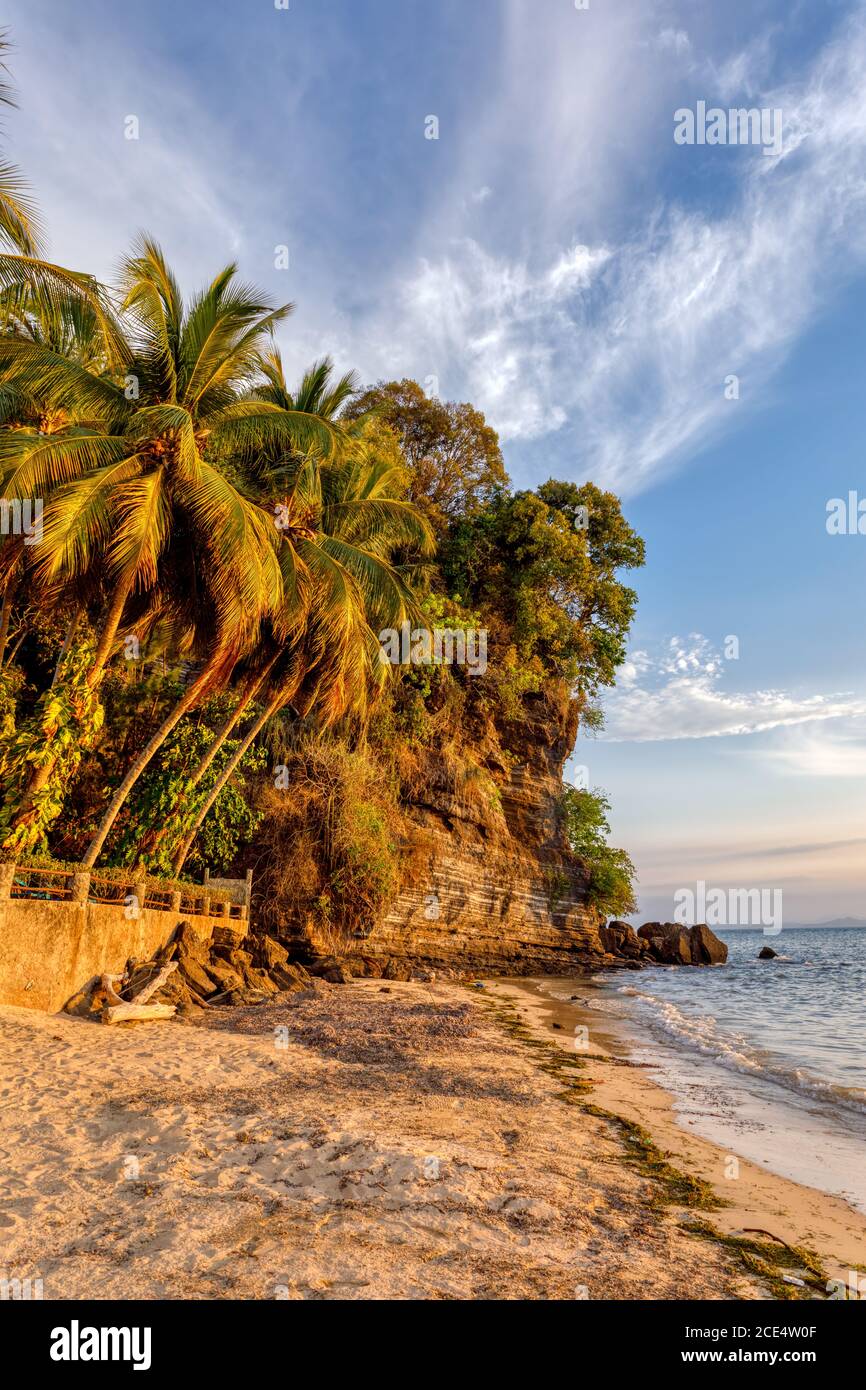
700	1033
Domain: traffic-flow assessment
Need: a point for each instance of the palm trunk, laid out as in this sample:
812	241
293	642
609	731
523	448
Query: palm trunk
211	752
257	725
192	696
155	836
71	629
109	630
6	615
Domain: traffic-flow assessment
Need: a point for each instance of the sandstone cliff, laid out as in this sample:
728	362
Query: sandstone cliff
490	884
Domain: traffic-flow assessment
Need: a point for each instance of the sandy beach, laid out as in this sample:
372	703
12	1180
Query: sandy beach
754	1197
366	1141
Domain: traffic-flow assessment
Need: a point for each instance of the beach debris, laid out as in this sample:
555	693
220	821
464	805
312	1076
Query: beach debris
190	975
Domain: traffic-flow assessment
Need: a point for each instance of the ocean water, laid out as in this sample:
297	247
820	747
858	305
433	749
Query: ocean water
800	1019
765	1057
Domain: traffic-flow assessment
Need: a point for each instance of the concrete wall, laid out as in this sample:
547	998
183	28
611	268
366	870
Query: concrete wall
48	950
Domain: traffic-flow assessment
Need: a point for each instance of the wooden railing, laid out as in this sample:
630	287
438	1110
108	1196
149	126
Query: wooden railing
57	883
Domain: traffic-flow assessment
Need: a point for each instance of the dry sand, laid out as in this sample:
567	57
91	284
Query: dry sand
377	1141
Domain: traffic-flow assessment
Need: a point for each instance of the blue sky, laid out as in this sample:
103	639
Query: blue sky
555	257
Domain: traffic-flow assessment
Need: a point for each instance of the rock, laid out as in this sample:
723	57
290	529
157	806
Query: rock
248	996
707	949
767	953
195	975
290	977
619	939
671	943
339	974
396	970
229	937
260	980
268	952
224	977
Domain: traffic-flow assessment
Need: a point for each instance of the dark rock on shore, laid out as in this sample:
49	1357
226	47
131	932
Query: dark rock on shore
665	943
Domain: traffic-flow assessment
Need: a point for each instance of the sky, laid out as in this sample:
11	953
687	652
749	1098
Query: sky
679	322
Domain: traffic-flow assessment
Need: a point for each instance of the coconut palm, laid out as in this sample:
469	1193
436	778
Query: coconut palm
159	459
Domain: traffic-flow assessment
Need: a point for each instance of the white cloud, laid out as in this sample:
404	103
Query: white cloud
618	352
682	695
827	751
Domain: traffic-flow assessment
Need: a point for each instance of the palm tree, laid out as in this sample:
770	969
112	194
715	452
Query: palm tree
160	460
345	522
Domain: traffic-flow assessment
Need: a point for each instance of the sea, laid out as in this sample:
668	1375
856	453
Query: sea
765	1057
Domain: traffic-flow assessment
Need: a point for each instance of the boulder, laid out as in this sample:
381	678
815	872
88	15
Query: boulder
339	974
620	939
767	953
671	943
228	937
707	949
195	976
224	977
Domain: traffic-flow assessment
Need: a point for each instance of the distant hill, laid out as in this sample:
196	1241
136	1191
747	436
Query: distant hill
834	922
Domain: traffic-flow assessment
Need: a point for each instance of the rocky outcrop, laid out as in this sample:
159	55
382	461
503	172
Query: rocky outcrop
671	943
767	953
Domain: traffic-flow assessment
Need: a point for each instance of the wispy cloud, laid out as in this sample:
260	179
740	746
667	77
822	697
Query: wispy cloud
623	368
683	694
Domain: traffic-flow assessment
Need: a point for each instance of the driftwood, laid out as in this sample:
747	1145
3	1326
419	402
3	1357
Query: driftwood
136	1009
108	982
156	983
132	1013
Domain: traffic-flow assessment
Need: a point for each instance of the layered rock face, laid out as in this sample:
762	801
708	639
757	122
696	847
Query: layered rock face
489	884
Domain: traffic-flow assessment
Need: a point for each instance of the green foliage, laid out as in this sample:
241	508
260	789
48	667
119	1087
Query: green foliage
328	844
51	742
452	455
168	800
611	872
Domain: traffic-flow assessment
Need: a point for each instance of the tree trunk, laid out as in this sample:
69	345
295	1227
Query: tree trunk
154	837
278	700
109	630
6	615
192	696
71	630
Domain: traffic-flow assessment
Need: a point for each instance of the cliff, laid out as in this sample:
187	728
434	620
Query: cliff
488	882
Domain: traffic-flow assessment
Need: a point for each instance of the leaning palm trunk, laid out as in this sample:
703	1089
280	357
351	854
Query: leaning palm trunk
105	641
155	836
191	698
6	616
258	724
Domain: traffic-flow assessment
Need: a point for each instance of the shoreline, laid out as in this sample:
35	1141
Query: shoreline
372	1140
758	1198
